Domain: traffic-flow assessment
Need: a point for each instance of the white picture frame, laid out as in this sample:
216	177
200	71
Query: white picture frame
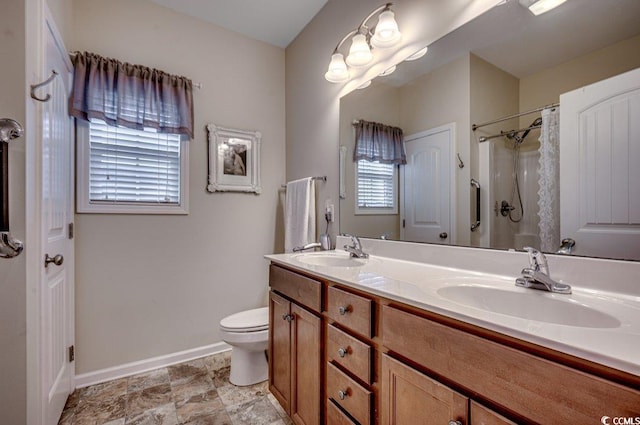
234	160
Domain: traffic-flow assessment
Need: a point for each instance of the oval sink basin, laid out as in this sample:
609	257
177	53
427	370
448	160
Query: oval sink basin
330	259
536	306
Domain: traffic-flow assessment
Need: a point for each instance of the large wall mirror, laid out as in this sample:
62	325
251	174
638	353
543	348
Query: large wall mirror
503	63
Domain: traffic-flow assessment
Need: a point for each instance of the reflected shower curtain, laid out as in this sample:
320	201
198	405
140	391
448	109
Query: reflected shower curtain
549	181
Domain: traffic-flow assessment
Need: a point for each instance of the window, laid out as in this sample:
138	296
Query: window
121	170
376	188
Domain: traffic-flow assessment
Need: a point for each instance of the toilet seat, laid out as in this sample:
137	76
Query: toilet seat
247	321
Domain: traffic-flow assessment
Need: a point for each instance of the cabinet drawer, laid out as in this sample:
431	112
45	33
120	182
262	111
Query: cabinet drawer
349	352
350	310
536	388
350	395
335	416
300	288
480	415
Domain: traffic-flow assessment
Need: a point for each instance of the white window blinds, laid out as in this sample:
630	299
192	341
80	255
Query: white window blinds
376	187
133	166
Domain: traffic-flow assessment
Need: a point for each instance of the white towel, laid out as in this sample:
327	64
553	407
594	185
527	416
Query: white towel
299	214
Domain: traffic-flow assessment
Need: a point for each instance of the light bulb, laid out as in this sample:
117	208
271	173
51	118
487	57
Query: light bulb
387	33
337	72
359	53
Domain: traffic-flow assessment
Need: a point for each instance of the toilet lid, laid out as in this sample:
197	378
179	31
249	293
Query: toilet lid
247	321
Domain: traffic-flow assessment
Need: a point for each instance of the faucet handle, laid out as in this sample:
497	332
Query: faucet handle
537	260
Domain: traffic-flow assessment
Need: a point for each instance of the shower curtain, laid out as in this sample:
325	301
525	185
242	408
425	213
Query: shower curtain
549	180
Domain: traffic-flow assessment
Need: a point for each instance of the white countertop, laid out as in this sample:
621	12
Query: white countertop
613	341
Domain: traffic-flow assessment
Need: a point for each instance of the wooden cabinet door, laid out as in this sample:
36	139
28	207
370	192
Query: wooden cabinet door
410	398
481	415
280	350
305	367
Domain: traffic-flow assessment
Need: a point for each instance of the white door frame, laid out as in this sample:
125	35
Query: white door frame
37	17
451	127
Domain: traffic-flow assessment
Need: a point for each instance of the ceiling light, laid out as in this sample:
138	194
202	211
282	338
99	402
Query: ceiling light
383	35
364	85
538	7
338	71
417	55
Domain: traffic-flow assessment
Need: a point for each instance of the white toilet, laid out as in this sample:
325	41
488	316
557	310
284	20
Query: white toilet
248	334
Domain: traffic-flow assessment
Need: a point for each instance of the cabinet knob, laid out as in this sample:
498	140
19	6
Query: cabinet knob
344	394
342	352
57	260
344	310
287	317
452	422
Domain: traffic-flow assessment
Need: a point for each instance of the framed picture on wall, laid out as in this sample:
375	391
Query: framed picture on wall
234	160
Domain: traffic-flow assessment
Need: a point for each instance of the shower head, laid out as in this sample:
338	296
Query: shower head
9	129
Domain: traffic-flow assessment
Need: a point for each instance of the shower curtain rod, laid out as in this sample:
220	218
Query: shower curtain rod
476	126
504	133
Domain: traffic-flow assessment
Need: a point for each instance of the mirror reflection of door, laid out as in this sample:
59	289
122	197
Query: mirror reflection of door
600	184
426	187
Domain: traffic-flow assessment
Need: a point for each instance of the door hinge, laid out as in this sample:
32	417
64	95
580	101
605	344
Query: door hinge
72	354
70	230
403	223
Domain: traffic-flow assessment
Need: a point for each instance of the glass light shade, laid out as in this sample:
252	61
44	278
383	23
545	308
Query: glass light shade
359	53
417	55
538	7
364	85
337	72
388	71
387	33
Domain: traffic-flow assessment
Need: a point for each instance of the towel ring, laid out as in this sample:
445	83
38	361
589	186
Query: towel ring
34	87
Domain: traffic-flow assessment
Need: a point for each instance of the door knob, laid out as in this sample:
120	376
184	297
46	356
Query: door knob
57	260
443	235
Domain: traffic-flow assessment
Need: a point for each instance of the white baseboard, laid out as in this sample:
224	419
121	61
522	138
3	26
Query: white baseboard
133	368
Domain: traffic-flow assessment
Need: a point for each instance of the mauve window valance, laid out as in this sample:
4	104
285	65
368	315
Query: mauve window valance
379	142
133	96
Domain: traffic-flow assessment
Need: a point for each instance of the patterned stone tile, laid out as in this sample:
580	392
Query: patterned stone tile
185	370
279	409
105	391
221	376
188	387
199	406
120	421
72	400
218	361
149	398
254	412
219	418
232	395
147	380
162	415
100	411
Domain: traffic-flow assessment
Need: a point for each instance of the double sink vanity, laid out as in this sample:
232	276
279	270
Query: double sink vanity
407	339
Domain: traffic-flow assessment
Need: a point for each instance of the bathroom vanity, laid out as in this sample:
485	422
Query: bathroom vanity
388	341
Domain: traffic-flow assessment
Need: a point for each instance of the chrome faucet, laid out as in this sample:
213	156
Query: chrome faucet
307	246
536	276
355	249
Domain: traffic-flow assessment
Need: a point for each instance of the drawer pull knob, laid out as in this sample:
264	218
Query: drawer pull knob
344	310
342	352
287	317
455	422
344	394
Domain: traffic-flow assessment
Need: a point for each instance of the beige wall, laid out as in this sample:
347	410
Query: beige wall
378	103
13	371
153	285
313	103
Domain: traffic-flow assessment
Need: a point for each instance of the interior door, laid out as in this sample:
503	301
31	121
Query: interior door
57	278
599	159
425	187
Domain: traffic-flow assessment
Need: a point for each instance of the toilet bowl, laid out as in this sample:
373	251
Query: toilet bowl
248	334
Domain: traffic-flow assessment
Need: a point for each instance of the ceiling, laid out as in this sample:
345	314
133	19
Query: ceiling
276	22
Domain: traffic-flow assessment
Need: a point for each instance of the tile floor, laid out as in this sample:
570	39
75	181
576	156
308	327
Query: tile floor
194	393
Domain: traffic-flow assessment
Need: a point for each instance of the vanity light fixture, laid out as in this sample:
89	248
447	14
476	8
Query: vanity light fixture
387	71
364	85
383	35
538	7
